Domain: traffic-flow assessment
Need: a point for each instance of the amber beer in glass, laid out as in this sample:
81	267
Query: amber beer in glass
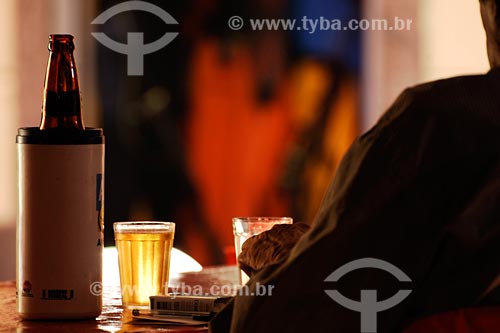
144	250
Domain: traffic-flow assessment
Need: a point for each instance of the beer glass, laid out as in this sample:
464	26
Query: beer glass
144	249
246	227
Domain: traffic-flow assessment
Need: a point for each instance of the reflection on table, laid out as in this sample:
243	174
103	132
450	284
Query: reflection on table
223	278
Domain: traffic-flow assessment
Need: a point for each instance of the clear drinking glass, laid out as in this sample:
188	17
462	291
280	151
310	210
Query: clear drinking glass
144	249
246	227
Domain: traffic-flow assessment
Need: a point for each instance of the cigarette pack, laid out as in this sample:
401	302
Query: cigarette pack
188	305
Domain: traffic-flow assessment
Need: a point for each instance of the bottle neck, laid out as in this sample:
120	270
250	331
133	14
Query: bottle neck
61	106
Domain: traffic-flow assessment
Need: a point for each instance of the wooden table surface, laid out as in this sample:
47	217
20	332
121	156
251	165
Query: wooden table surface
111	318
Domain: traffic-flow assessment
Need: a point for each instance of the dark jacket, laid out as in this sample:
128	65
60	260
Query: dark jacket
420	190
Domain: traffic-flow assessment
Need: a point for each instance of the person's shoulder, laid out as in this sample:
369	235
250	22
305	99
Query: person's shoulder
456	91
455	94
456	97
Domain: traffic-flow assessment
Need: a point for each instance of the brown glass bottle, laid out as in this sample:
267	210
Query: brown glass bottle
61	106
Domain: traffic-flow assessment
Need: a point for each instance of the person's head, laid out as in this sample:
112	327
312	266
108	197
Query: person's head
490	13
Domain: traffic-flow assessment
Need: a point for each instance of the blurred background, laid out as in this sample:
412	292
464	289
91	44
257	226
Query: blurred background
224	123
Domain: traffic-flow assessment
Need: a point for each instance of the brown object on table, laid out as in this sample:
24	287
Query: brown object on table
270	247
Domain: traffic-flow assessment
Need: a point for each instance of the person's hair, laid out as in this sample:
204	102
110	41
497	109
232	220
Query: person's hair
497	3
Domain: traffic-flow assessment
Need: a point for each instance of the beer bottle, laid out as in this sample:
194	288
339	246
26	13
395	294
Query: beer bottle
61	201
61	101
